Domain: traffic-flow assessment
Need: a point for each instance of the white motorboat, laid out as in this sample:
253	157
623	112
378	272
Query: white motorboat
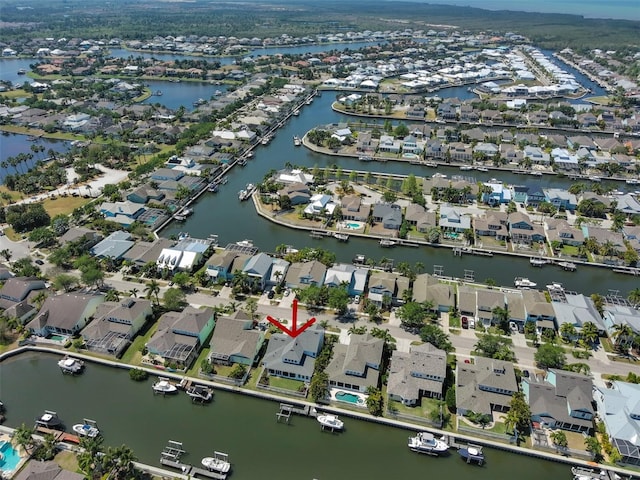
537	262
164	387
71	365
522	282
86	429
218	463
466	167
582	473
330	421
472	454
426	442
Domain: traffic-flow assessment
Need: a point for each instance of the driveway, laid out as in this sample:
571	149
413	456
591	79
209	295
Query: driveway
18	249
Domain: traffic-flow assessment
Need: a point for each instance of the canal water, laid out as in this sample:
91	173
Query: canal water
243	427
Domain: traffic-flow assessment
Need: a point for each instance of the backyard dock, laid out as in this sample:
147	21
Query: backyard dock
170	457
286	410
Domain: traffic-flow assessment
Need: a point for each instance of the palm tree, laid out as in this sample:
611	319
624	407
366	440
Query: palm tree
121	459
589	332
622	333
6	253
633	297
152	290
112	296
567	331
134	292
23	437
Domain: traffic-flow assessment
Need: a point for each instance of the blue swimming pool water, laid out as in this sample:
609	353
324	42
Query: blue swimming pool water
9	457
347	397
58	338
353	226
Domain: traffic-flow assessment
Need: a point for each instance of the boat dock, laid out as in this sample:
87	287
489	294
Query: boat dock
318	234
286	410
58	435
170	457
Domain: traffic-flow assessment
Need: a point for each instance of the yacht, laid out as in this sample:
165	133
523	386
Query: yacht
213	187
245	243
330	421
86	429
536	173
200	393
296	112
537	262
218	463
50	420
482	169
632	181
466	167
595	178
365	158
164	386
431	164
296	141
582	473
22	71
425	442
522	282
472	454
567	266
70	365
387	243
360	259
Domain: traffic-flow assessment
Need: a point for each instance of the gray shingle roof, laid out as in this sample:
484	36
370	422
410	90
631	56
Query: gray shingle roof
423	369
484	383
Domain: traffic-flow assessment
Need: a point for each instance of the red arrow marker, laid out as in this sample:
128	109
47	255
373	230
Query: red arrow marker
294	331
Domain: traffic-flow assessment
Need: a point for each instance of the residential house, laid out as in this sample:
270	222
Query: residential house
84	237
538	309
559	230
620	313
180	335
303	274
460	152
386	288
484	386
219	266
291	357
356	366
388	214
560	198
64	314
144	194
353	208
419	373
493	224
619	410
486	302
143	253
343	274
428	289
124	213
536	155
605	236
115	324
388	144
496	193
560	399
411	146
17	289
114	246
523	230
320	204
298	193
258	269
46	470
236	340
184	255
576	309
452	220
418	217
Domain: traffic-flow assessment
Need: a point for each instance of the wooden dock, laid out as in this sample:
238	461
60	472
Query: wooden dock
170	457
286	410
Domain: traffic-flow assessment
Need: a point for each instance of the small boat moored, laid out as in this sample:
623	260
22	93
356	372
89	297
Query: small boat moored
50	420
86	429
522	282
472	454
426	442
200	393
331	422
71	365
218	463
164	386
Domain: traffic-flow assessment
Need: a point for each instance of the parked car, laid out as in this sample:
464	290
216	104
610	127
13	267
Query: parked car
525	373
271	294
39	262
356	300
465	322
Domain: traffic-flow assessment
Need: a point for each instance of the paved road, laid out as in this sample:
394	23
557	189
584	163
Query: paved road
463	340
17	249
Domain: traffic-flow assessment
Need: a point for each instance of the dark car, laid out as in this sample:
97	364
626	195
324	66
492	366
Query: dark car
271	294
39	262
465	322
525	373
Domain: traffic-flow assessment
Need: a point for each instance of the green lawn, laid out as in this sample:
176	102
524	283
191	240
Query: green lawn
285	383
133	355
195	368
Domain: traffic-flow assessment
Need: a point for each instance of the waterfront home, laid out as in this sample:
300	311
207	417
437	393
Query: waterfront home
278	271
460	152
236	340
364	143
560	198
291	176
298	193
144	252
343	274
490	150
484	386
64	314
560	399
628	204
523	231
124	213
357	365
294	357
538	309
163	174
320	204
486	302
388	144
492	224
536	155
258	269
303	274
419	373
220	264
184	255
49	470
387	214
428	289
605	236
622	313
115	324
452	220
576	309
418	217
619	410
353	208
386	288
495	193
114	246
411	145
559	230
181	335
631	235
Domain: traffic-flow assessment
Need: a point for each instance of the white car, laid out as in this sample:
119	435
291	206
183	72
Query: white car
356	299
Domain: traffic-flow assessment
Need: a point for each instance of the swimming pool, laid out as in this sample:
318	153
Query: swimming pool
349	398
57	338
353	225
9	457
